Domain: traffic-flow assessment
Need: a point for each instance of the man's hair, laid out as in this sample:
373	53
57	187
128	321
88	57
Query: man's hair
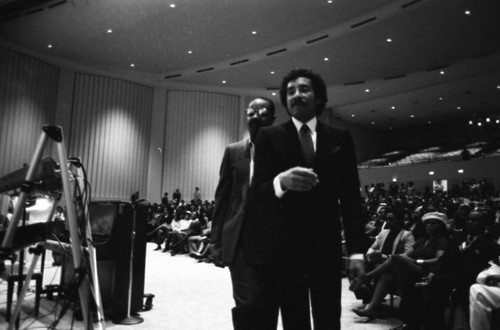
318	86
271	103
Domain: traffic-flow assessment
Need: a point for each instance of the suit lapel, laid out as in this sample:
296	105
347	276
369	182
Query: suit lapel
242	159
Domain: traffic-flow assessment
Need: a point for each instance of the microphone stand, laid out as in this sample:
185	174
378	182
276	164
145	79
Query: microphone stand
131	319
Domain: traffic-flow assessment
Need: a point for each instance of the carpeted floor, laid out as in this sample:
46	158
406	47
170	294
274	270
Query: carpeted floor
188	296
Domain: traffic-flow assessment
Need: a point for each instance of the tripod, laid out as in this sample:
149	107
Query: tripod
55	134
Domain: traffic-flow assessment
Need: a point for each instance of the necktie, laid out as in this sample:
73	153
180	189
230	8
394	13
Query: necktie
307	145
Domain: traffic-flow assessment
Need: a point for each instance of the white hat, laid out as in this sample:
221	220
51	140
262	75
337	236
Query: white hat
437	216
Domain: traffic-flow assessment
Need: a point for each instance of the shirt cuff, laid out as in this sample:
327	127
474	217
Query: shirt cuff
356	256
277	187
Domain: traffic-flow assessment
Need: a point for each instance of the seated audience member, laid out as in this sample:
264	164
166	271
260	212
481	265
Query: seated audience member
404	270
391	240
455	272
484	298
198	244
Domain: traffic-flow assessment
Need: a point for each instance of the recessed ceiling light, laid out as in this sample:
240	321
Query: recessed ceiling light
373	123
498	86
330	1
353	115
367	90
172	5
272	72
470	122
110	31
497	121
431	173
488	120
412	116
441	72
274	93
440	98
479	124
389	40
326	59
132	65
49	46
390	128
190	52
459	107
393	107
460	171
224	81
254	32
429	122
467	12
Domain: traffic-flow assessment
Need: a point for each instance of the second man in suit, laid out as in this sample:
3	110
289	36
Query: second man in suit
231	204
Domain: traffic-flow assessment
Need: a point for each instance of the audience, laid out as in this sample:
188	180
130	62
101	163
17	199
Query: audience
419	248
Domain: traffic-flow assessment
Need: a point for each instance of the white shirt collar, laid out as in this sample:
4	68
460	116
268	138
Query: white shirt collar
311	123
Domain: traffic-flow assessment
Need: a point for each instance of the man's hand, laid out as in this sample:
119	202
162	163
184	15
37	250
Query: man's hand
217	260
355	268
298	179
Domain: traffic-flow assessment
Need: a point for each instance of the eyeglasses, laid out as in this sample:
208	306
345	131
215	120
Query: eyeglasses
262	112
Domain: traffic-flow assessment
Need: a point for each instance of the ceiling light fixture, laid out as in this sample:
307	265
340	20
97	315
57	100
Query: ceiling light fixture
272	72
389	40
110	31
224	81
254	32
412	116
441	72
172	5
440	98
326	59
467	12
429	122
497	121
132	65
470	122
373	123
393	108
330	1
190	52
367	90
431	173
460	171
459	107
274	93
488	120
49	46
353	115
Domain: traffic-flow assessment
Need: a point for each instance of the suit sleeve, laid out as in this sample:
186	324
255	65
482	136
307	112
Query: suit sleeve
222	194
350	199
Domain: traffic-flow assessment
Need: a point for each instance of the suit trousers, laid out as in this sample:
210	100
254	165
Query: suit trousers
251	312
316	288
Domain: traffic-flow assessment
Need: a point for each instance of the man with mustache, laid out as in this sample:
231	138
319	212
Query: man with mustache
231	205
305	182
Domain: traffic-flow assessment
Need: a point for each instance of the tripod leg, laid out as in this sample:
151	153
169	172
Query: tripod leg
37	252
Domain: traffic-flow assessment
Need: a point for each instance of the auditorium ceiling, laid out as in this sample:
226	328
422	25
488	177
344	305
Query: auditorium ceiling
388	63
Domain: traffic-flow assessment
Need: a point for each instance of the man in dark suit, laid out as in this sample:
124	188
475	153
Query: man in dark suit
230	209
305	183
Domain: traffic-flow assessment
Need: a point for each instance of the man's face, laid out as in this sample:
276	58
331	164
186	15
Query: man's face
258	115
300	99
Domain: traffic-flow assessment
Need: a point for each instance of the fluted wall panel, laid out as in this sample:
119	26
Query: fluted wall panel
28	94
198	127
110	123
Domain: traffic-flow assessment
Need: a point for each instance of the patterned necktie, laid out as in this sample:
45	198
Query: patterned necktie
307	145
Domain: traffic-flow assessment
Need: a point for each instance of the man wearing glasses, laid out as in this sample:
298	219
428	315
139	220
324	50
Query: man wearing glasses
230	205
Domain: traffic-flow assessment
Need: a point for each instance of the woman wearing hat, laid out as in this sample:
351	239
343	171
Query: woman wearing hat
404	270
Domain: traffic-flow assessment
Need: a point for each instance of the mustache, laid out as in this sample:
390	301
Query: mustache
298	101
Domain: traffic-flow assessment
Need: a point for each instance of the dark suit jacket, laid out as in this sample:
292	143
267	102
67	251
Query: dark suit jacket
230	199
299	224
